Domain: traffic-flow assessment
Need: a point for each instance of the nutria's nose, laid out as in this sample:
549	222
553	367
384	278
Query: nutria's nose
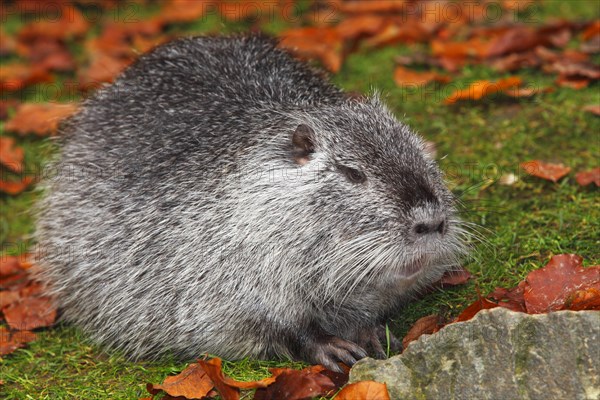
431	226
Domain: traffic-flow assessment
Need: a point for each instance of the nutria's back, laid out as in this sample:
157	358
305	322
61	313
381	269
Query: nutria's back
226	198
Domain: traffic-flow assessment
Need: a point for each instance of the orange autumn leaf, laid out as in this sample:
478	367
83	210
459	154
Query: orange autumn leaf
177	11
16	76
103	68
475	47
39	118
11	156
379	6
30	313
365	390
360	25
482	88
294	384
591	31
584	178
545	170
191	383
15	187
406	77
586	299
322	43
68	23
213	368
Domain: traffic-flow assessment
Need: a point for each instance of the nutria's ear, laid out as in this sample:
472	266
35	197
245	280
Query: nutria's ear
303	141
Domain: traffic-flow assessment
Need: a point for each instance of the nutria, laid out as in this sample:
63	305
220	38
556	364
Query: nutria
222	196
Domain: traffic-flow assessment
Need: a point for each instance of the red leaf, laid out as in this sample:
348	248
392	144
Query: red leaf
425	325
548	288
30	313
588	299
322	43
584	178
469	312
510	298
544	170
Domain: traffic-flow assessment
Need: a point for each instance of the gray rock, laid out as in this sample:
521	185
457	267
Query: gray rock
499	354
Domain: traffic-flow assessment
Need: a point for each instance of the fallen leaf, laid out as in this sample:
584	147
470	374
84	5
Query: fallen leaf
321	43
297	385
361	25
407	31
544	170
584	178
30	313
365	390
593	108
379	6
39	118
6	105
47	53
573	83
587	299
103	68
10	341
470	311
454	278
510	298
191	383
592	30
68	23
482	88
548	288
178	11
15	187
425	325
406	77
10	265
11	156
16	76
213	368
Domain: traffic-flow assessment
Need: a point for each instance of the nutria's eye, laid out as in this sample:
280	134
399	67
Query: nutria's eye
353	175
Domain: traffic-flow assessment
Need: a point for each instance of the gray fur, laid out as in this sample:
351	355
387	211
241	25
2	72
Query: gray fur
180	221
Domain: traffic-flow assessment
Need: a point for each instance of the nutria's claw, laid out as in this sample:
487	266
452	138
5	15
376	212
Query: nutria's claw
331	349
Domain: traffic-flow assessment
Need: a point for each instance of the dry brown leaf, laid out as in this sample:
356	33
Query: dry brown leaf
11	156
191	383
40	118
584	178
407	77
30	313
425	325
297	385
548	288
480	89
587	299
545	170
361	25
213	368
365	390
592	30
510	298
478	305
10	341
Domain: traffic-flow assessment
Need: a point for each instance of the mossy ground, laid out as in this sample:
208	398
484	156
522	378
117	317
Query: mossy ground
522	225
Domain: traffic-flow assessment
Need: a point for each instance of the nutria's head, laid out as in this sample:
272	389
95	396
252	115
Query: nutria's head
380	200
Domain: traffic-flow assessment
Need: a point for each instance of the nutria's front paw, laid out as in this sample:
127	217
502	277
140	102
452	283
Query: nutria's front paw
329	350
372	339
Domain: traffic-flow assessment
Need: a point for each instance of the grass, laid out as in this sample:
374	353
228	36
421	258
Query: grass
524	224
